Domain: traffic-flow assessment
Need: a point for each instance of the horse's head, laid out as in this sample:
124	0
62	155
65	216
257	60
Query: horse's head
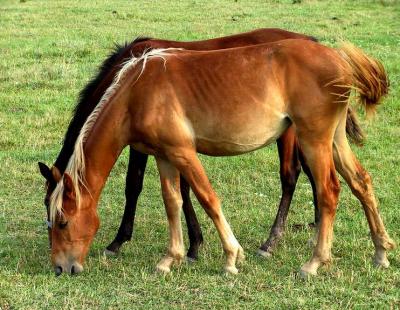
52	176
74	223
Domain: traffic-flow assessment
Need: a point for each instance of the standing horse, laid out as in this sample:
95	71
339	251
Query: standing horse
289	152
173	104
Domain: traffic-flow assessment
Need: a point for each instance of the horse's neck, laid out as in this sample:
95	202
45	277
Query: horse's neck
103	147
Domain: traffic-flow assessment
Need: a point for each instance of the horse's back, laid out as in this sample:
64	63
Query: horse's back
258	36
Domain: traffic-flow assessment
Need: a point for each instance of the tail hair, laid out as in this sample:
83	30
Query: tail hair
353	129
369	78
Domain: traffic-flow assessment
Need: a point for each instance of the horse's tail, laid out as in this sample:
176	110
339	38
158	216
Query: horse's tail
353	129
368	75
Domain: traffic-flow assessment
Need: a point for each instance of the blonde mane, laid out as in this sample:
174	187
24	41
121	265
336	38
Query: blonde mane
76	164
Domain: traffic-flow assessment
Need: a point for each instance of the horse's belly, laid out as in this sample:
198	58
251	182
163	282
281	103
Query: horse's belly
233	139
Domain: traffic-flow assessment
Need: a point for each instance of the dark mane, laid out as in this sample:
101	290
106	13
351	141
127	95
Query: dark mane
90	96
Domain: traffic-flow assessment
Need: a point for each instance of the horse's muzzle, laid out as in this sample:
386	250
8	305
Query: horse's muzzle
75	268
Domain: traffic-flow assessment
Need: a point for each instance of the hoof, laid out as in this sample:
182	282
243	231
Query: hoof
163	269
191	260
264	254
192	254
307	275
231	270
381	263
380	258
107	252
308	270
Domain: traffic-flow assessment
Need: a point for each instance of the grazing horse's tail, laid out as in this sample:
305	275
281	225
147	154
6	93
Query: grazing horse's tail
369	78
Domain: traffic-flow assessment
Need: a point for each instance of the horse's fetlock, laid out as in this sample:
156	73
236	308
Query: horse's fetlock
325	257
231	250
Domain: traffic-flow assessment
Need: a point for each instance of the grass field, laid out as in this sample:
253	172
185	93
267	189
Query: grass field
50	49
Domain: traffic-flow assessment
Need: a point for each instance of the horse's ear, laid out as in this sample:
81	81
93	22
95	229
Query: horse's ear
69	190
56	174
45	171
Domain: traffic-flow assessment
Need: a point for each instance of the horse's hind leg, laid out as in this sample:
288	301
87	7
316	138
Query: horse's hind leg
189	165
289	173
194	230
133	188
307	171
318	154
170	186
360	183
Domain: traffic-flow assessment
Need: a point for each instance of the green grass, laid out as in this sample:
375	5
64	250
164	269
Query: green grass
50	49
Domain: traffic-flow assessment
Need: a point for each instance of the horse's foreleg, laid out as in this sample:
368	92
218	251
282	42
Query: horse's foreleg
169	177
189	165
360	183
133	188
289	173
194	230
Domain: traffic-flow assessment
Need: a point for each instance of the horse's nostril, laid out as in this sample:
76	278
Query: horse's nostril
76	268
58	270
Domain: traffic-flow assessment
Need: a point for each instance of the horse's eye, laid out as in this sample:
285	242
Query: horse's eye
62	225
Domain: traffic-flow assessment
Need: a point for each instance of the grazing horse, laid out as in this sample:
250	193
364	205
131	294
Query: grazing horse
91	95
173	103
289	152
